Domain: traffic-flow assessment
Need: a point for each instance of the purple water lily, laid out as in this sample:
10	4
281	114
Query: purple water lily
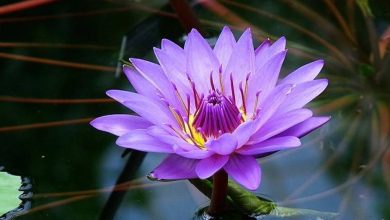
215	108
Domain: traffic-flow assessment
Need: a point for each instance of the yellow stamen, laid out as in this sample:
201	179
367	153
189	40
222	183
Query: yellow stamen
195	135
178	118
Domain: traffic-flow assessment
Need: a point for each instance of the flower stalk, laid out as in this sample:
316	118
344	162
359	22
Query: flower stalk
219	193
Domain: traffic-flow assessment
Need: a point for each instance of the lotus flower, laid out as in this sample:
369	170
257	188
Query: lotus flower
215	108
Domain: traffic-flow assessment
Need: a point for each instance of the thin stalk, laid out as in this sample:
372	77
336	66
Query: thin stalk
371	30
218	196
20	6
342	22
57	62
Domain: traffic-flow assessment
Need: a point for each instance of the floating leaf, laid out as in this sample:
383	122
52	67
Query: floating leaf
292	212
9	192
253	205
248	202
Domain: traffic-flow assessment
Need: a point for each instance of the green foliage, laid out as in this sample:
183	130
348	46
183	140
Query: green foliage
9	193
250	204
365	7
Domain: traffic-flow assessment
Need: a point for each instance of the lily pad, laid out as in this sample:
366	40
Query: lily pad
9	192
255	206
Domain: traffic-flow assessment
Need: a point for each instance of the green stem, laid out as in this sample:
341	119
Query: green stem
218	196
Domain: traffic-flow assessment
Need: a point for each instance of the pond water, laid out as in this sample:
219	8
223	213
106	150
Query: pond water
58	59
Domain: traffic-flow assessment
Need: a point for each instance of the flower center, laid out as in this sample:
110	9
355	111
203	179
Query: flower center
216	115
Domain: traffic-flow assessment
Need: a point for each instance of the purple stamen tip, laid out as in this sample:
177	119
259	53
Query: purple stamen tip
216	115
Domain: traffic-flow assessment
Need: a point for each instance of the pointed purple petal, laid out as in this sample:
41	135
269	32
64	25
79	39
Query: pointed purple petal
192	154
302	94
152	72
260	49
264	80
174	50
140	84
201	61
244	132
279	123
174	72
207	167
172	138
272	103
245	170
119	124
175	167
156	76
224	145
305	127
266	52
140	140
303	74
224	46
144	106
270	145
119	95
241	63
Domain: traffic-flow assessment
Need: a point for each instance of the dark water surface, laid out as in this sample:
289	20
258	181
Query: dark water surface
344	167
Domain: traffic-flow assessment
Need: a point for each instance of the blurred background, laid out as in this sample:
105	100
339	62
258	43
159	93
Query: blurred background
57	59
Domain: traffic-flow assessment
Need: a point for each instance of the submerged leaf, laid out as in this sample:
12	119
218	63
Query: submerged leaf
9	192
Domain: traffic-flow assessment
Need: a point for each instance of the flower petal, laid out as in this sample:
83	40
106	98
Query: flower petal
270	145
201	61
303	74
174	71
266	51
207	167
140	140
144	106
175	167
245	170
224	145
260	49
167	135
153	73
140	84
305	127
264	80
241	63
224	46
156	76
302	94
244	132
174	50
272	103
279	123
119	124
193	154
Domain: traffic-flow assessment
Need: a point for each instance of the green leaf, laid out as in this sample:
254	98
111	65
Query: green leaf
292	212
250	204
366	70
9	192
365	7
